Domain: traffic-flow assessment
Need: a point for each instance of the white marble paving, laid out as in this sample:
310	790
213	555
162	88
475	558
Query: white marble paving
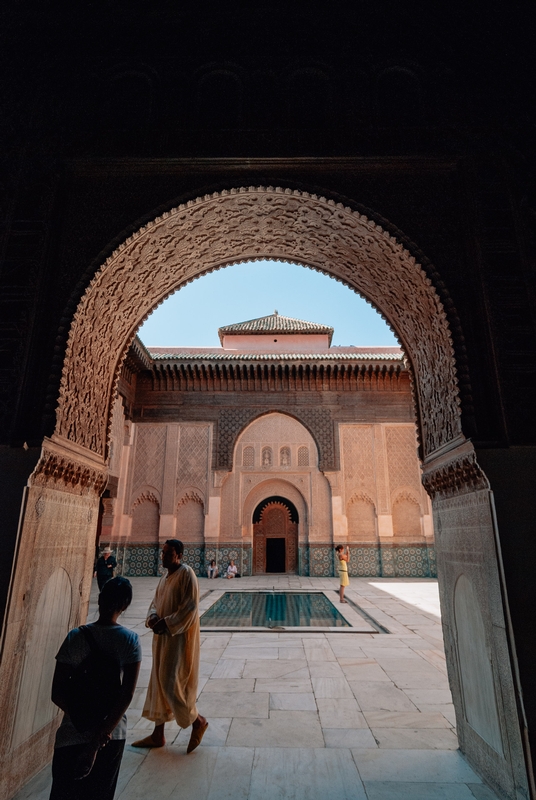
308	715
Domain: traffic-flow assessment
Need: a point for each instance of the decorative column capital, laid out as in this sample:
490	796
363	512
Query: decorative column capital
453	471
67	467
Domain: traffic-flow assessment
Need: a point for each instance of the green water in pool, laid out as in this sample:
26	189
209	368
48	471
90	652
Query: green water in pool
272	610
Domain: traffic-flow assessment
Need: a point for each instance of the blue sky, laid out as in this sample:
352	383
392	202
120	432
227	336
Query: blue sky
191	317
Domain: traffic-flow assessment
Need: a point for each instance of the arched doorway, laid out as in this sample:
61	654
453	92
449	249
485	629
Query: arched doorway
61	504
275	536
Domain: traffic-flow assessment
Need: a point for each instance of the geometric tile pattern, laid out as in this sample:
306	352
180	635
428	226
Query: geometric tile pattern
321	561
141	560
194	556
387	561
411	562
318	561
364	562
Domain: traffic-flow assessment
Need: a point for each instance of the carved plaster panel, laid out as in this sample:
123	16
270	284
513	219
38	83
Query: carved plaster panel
192	468
402	460
65	472
318	420
454	474
149	458
236	226
358	460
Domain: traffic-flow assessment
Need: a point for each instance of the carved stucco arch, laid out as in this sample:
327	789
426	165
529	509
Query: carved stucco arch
147	495
192	495
245	418
360	495
242	225
275	486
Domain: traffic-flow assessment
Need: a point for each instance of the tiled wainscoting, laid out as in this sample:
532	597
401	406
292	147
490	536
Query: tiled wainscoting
387	561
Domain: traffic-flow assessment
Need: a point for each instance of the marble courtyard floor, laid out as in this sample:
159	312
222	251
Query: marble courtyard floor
308	716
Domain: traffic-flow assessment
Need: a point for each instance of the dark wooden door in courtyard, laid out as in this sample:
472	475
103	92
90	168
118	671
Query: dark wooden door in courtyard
275	540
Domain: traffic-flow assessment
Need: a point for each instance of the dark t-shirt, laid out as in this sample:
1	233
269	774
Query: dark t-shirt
106	566
121	644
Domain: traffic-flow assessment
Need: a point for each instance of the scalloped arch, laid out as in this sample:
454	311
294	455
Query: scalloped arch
246	224
146	496
357	496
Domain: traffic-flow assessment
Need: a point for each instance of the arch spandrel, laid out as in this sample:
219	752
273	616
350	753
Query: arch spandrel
243	225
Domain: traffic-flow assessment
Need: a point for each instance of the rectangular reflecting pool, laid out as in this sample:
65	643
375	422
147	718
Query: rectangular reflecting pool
273	610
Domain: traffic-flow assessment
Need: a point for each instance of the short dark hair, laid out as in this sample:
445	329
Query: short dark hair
115	595
339	547
177	545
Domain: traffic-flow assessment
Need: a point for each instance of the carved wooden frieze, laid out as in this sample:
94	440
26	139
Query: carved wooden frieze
241	225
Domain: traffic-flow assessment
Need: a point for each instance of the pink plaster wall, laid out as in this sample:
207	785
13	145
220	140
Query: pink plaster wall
277	343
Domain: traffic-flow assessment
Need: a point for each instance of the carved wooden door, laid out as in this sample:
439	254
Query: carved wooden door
275	522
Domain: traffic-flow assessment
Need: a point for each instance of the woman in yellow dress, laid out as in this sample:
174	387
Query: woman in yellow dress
343	557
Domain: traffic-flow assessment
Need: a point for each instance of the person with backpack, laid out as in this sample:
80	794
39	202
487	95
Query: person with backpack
97	668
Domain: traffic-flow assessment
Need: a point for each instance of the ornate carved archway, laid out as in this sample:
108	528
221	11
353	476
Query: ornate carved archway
275	519
244	225
211	232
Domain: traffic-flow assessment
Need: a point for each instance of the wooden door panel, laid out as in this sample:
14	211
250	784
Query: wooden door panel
275	522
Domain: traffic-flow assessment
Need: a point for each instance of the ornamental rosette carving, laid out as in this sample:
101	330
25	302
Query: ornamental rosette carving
56	471
460	475
242	225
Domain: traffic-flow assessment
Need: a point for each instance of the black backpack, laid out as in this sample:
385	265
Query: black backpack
93	687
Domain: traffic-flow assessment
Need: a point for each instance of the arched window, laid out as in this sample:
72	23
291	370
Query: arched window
284	457
267	457
361	516
407	519
248	457
303	456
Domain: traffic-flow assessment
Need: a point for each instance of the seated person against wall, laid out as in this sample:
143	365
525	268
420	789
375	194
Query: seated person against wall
232	570
212	571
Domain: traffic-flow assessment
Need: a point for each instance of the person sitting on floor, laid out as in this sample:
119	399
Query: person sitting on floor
232	570
212	571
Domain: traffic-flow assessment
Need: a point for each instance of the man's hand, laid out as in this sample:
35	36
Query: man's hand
153	620
100	738
160	627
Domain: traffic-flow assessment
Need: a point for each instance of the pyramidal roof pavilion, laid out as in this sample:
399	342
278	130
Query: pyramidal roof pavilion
275	337
275	323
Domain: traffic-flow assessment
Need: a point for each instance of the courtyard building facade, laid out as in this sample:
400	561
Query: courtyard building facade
268	450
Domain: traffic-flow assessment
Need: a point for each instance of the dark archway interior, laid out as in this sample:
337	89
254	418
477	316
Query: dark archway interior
275	555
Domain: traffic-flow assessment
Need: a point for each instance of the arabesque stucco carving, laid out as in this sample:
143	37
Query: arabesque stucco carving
241	225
